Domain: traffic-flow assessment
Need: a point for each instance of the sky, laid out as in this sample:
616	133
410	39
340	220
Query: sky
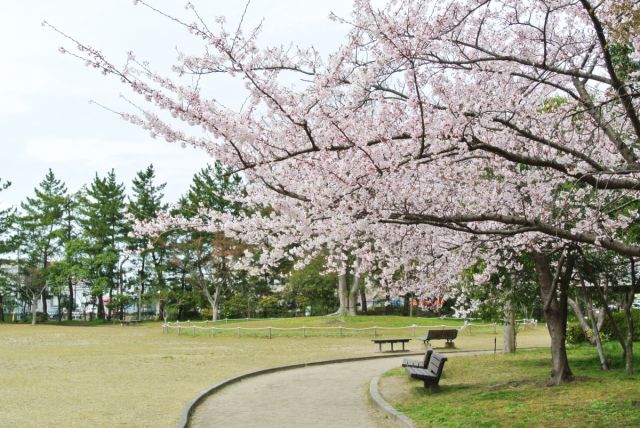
46	118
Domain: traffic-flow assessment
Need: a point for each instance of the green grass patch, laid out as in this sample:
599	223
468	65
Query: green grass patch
510	390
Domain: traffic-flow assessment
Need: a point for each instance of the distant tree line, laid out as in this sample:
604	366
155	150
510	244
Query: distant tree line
57	244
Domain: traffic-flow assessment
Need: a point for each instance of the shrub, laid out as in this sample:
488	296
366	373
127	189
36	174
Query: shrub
608	330
575	334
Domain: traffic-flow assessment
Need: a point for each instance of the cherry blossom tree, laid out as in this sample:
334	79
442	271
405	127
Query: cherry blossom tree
436	132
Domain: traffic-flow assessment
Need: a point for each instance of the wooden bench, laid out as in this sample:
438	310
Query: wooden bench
430	375
448	335
391	341
422	364
128	321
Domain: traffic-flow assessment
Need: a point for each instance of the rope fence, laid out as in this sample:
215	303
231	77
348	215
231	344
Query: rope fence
194	329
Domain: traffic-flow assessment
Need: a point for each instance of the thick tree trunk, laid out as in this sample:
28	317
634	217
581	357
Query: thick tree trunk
44	304
363	299
343	296
70	305
553	290
100	307
352	298
509	338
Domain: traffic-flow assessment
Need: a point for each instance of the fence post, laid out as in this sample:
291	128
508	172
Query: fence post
238	331
340	331
414	330
269	332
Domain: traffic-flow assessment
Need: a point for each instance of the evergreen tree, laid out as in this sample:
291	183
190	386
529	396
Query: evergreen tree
102	210
41	229
72	268
6	222
145	205
206	256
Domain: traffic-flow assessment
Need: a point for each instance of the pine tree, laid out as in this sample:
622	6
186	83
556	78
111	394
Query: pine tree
6	243
41	228
206	255
145	205
72	268
102	216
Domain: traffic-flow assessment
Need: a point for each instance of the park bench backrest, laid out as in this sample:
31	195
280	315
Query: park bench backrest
427	356
436	364
442	334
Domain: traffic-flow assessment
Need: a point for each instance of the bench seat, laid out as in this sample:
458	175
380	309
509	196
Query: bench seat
430	375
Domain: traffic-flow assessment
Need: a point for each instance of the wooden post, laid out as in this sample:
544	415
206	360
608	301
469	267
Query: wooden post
414	330
269	332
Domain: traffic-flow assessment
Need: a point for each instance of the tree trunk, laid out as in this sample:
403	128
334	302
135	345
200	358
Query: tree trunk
595	325
363	299
34	309
70	306
352	298
343	296
213	301
627	302
553	290
100	307
59	296
44	304
509	337
575	306
141	292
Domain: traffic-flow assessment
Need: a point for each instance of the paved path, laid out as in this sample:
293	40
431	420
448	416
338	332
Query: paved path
327	396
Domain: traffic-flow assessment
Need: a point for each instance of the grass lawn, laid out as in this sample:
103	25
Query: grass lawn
107	375
510	390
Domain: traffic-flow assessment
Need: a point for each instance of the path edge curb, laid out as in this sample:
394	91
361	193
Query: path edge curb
187	412
383	405
185	416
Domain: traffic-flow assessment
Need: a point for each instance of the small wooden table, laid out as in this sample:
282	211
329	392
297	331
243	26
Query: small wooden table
391	341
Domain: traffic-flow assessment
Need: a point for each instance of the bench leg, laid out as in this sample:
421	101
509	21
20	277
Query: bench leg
379	347
435	388
403	346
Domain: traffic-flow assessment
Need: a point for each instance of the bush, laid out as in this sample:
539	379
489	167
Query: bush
40	317
575	333
608	330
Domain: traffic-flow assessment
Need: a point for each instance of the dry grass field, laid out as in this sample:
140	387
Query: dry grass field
112	376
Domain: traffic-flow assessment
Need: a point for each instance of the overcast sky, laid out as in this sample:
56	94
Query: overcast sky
46	120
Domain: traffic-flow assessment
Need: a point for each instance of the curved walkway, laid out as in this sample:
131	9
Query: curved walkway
326	396
323	396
